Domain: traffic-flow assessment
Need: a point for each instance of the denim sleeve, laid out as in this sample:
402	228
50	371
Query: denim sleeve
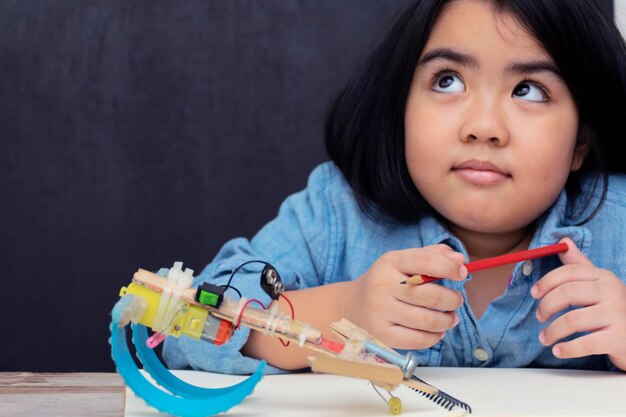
296	243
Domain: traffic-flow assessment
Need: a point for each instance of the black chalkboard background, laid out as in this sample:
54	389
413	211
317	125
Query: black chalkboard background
139	133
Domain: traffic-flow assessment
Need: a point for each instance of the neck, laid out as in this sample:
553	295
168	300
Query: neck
486	245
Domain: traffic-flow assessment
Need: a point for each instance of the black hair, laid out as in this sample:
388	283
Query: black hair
364	130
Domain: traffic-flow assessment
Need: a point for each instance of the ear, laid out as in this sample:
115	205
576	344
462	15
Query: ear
580	153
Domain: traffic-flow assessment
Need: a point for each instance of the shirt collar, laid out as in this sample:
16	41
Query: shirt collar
551	227
433	233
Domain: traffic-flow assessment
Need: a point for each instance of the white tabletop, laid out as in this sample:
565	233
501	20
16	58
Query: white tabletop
489	391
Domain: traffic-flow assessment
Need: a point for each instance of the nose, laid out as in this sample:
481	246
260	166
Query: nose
485	121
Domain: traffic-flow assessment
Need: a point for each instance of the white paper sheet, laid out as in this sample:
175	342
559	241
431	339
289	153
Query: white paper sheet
490	392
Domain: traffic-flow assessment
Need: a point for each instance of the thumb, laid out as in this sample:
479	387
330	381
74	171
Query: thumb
572	255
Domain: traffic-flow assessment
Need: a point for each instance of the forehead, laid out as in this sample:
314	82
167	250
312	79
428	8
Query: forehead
478	26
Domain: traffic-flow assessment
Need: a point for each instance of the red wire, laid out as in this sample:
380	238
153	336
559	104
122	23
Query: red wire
293	316
293	313
244	307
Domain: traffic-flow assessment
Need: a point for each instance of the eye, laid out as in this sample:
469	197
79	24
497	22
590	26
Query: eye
448	82
530	91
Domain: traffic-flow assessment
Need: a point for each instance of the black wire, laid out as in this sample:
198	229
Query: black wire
237	270
230	286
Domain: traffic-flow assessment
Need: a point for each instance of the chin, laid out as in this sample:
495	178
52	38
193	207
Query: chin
489	226
481	221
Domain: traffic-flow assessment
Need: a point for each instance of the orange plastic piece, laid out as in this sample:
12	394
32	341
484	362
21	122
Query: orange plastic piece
224	333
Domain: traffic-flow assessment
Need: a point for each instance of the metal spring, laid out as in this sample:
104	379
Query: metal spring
441	398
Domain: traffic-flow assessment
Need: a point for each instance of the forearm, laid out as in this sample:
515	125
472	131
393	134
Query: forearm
620	363
318	306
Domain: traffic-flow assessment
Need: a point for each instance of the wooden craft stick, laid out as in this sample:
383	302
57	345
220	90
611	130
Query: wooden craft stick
344	328
156	282
372	371
251	317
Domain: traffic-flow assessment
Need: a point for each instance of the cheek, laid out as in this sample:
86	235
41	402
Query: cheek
547	162
422	155
426	133
552	172
554	153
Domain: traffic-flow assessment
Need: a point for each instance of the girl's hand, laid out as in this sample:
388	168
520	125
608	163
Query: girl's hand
602	297
407	316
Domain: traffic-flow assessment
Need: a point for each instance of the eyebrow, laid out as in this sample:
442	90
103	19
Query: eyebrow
469	61
533	66
450	55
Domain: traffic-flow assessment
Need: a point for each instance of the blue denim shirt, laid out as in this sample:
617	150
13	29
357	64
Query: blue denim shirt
321	236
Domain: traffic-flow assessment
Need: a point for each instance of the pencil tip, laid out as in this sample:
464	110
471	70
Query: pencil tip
402	282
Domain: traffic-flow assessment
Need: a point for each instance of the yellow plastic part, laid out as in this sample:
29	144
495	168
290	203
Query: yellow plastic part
193	321
152	298
395	406
189	321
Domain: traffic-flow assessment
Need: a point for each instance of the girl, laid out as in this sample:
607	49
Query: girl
476	128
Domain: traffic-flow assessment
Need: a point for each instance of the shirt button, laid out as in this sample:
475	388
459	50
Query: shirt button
527	268
481	354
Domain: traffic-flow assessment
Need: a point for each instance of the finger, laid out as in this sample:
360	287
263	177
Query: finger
448	251
573	255
430	296
576	293
589	344
563	274
428	262
400	337
579	320
420	318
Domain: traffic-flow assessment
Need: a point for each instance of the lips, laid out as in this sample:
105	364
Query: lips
481	172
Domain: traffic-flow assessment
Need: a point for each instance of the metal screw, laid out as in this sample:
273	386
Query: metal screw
270	276
407	363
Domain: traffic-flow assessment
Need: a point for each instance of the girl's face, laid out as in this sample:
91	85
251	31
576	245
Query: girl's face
490	126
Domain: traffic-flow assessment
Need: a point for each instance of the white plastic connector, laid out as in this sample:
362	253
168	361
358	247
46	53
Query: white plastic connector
279	319
302	337
175	271
185	280
270	318
242	303
177	282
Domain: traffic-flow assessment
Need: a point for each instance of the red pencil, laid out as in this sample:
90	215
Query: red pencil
496	261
